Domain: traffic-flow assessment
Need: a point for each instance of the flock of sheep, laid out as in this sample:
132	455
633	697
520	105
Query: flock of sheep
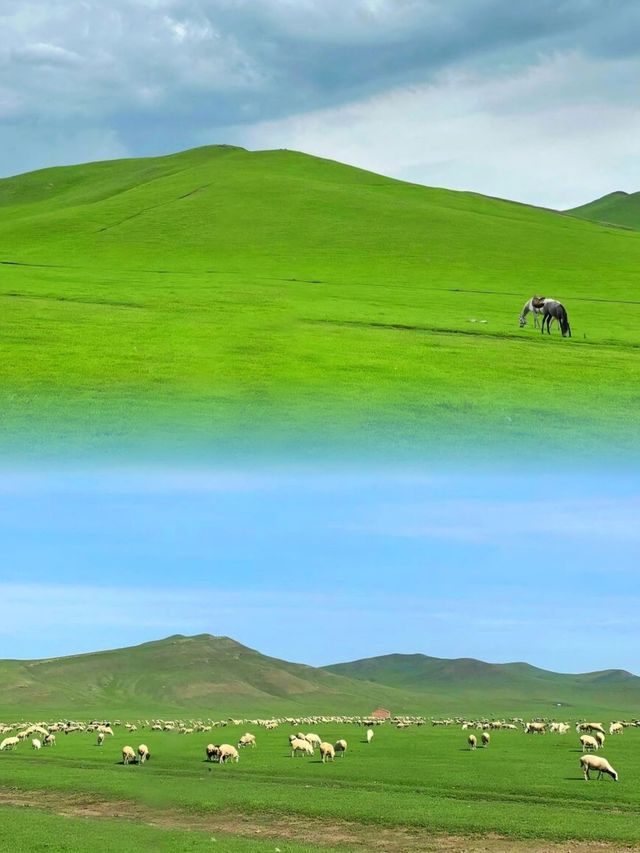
591	736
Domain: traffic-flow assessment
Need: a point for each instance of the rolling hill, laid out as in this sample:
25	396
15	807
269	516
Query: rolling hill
203	673
229	299
616	208
218	676
466	680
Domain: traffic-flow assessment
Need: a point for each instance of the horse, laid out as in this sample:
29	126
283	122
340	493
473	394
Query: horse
533	306
554	310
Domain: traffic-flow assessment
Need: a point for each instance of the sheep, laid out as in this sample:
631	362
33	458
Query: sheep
9	743
212	752
597	762
472	740
50	740
587	742
369	735
128	755
600	738
247	740
314	740
486	739
590	727
298	745
341	747
327	752
143	753
616	729
100	738
36	743
228	753
535	728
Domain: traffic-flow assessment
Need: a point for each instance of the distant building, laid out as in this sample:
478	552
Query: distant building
380	714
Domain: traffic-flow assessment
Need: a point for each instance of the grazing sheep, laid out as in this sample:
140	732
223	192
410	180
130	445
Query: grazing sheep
247	740
486	739
535	728
472	740
327	752
596	762
590	727
314	740
128	755
600	738
587	742
369	735
9	743
50	740
36	743
303	747
143	753
213	752
616	729
341	747
100	738
228	753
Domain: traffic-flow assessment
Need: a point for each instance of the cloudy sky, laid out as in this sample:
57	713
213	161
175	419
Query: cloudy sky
531	101
325	568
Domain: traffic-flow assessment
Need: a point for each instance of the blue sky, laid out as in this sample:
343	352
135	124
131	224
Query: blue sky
325	567
531	101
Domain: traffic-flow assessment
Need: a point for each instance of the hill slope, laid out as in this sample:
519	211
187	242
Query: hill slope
201	673
616	208
235	297
469	681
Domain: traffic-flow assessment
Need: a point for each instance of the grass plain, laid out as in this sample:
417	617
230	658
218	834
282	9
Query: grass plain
410	785
220	297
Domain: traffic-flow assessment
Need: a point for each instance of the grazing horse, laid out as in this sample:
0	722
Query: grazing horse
554	310
534	306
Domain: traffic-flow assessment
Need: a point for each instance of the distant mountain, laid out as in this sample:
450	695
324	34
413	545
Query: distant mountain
473	683
209	674
616	208
217	676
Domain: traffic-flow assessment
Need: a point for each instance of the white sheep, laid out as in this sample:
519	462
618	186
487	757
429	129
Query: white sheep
100	738
588	743
128	755
228	753
247	740
472	740
50	740
143	753
486	739
616	729
599	736
36	743
597	762
314	740
303	747
213	752
369	735
327	751
9	743
341	747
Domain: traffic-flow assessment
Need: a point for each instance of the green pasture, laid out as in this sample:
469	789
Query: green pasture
233	300
522	786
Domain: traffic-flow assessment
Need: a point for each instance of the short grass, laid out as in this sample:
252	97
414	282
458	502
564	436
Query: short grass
520	787
228	299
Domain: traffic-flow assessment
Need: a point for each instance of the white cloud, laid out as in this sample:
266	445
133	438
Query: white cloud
547	135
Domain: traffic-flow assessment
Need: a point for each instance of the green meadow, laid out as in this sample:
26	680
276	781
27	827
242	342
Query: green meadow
407	786
233	299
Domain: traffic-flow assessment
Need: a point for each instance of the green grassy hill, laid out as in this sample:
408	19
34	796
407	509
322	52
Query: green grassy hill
617	208
226	297
470	681
216	676
201	674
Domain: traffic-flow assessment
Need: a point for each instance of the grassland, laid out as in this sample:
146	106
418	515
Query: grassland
408	784
617	208
232	299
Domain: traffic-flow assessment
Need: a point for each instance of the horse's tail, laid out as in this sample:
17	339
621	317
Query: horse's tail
564	322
